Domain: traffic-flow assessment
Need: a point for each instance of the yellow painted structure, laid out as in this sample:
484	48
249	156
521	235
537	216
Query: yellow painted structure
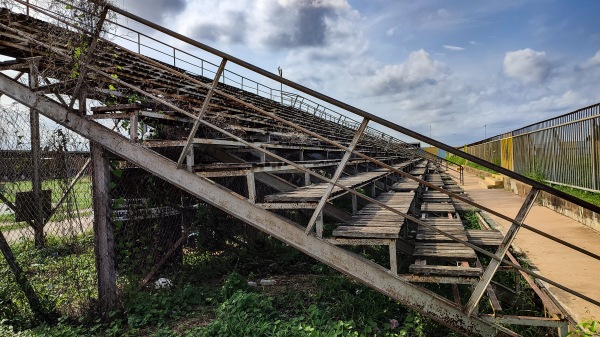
506	154
432	149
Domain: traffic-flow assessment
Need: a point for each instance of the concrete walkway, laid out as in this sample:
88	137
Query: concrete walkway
555	261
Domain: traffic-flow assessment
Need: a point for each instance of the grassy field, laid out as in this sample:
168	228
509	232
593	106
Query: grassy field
591	197
80	198
463	162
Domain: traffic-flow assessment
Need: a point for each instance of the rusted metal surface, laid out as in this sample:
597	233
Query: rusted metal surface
501	252
344	261
336	175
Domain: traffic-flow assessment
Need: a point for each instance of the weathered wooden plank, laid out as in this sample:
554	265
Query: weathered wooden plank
444	251
442	221
367	232
484	237
438	207
445	270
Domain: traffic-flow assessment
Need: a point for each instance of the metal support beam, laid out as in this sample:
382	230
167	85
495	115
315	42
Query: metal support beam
190	160
337	174
363	270
36	161
319	223
486	278
133	126
393	257
205	104
83	66
251	187
594	154
103	231
21	278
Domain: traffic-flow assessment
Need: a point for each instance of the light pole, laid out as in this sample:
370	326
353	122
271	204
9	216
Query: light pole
281	83
429	131
485	131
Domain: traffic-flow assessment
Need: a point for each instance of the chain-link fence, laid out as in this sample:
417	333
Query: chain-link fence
45	216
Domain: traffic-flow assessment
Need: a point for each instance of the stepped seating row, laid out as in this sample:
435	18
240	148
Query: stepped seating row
375	221
159	78
434	252
314	192
437	254
377	225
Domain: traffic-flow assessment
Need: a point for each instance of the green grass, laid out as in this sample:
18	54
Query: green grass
456	159
19	225
82	189
79	201
462	161
591	197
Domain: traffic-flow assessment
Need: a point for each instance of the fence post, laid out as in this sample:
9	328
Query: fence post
103	231
594	154
36	162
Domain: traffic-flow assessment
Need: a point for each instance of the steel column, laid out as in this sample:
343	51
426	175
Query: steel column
594	154
501	252
251	187
36	161
103	231
337	174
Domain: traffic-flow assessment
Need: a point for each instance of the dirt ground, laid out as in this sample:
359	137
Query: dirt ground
555	261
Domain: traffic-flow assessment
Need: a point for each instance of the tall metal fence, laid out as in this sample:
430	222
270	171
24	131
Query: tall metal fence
563	150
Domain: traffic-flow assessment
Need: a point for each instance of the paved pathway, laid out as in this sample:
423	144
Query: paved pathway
555	261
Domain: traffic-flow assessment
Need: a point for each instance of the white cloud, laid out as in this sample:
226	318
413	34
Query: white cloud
454	48
527	65
417	71
271	24
592	61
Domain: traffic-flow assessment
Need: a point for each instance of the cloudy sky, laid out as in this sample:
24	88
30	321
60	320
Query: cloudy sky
445	66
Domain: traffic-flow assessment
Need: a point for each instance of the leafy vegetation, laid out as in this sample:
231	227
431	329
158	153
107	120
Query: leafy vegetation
208	299
471	220
463	162
589	328
591	197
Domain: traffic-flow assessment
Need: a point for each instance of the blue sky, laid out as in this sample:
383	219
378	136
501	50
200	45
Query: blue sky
447	66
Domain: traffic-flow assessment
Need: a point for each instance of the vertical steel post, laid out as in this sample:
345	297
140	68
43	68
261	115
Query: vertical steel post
500	252
36	162
336	175
594	154
103	231
207	99
190	160
251	187
133	126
